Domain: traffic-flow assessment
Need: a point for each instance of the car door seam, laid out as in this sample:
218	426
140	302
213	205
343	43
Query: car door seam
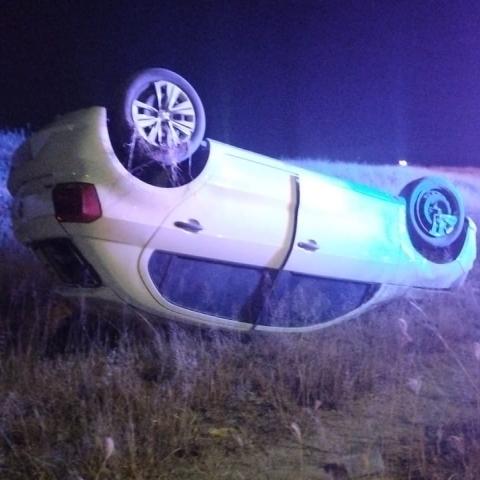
269	277
295	221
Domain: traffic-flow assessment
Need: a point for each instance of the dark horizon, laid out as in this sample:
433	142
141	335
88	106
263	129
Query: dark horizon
354	81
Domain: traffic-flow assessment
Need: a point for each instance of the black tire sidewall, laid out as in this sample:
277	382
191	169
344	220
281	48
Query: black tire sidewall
412	193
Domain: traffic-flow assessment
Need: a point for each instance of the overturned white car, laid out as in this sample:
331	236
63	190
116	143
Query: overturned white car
132	205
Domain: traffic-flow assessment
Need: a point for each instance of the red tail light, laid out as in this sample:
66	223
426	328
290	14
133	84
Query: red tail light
76	202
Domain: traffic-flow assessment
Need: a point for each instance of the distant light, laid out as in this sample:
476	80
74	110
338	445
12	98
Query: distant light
403	163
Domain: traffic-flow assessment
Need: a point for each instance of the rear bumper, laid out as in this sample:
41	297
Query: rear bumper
66	151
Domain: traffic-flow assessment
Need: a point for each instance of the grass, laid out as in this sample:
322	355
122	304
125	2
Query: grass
393	394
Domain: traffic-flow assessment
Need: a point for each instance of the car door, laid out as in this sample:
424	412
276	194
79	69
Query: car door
345	231
211	252
345	246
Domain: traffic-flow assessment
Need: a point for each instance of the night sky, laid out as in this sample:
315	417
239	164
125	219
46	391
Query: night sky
370	81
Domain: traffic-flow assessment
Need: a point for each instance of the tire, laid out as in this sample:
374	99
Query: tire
435	214
157	119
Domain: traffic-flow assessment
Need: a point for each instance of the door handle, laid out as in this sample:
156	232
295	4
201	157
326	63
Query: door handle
192	226
309	245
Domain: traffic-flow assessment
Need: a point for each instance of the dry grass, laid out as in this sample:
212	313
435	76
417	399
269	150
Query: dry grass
391	395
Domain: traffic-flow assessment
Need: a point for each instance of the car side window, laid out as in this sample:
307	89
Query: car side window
301	300
254	295
216	288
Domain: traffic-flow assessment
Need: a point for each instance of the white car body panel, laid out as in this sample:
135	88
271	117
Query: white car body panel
357	234
229	199
247	205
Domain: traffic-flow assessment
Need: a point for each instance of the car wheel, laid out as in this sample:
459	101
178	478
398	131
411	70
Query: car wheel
435	213
159	118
